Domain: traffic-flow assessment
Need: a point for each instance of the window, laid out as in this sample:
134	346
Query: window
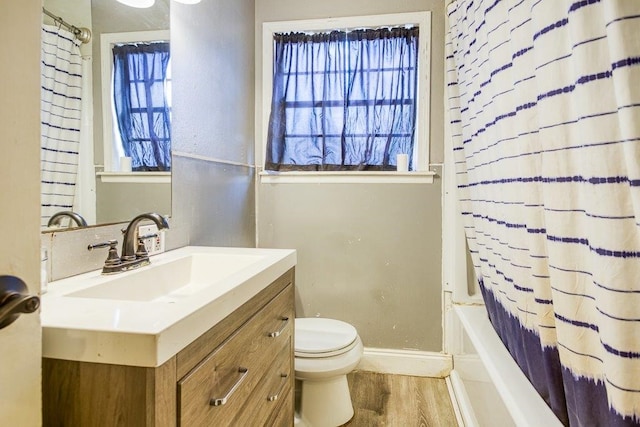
136	76
142	108
345	95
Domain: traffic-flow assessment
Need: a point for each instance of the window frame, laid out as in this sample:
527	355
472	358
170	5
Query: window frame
111	168
422	174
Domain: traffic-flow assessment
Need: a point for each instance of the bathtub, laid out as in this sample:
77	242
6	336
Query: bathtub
487	385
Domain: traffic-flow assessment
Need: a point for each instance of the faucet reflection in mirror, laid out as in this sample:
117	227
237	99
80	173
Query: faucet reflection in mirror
134	253
74	218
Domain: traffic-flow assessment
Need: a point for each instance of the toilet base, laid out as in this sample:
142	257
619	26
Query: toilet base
326	403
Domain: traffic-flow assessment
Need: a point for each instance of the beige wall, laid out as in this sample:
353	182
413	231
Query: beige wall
21	345
369	254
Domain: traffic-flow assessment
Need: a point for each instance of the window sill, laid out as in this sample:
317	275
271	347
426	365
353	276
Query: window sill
135	177
364	177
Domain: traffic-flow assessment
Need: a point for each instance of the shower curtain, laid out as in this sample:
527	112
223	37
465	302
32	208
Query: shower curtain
544	98
61	99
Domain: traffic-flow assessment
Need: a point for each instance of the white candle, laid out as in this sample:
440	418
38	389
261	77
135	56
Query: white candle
402	163
125	164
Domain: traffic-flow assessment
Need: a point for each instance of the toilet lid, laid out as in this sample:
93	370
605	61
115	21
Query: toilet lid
318	335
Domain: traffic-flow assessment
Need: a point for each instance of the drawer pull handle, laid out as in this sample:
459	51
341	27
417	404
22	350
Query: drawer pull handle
284	383
279	332
223	400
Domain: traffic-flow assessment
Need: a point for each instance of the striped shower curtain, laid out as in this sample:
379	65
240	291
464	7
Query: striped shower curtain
61	90
544	98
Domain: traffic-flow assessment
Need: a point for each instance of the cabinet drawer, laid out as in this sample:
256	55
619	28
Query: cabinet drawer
217	389
271	393
202	347
283	415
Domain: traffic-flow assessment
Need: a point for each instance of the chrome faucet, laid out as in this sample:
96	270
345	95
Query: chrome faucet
74	216
134	254
130	239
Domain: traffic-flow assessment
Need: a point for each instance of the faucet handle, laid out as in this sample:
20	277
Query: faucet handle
113	258
148	236
110	244
141	250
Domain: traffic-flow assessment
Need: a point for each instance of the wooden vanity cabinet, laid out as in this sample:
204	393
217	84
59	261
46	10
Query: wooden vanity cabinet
238	373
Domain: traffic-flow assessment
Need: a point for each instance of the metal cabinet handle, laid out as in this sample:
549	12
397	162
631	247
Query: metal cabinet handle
14	300
279	332
223	400
284	383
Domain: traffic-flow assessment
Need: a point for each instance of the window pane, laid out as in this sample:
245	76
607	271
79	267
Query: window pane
344	100
142	105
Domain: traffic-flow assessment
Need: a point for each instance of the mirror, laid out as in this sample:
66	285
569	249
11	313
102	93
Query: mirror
104	196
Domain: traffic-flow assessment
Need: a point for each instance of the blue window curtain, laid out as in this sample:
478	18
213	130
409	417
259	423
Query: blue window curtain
343	100
142	107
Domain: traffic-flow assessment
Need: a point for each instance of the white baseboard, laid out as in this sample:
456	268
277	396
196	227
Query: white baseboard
406	362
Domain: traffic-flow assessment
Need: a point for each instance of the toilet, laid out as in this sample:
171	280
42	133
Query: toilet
326	350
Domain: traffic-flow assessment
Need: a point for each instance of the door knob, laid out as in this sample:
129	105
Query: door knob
15	300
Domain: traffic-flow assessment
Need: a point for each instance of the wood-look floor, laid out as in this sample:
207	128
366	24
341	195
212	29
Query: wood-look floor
399	400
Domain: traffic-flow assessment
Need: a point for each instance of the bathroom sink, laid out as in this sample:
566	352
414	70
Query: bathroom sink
171	280
144	317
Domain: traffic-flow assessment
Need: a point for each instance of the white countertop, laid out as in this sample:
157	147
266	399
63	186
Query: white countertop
148	333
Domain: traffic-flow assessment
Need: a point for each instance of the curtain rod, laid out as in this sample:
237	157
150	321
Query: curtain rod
83	34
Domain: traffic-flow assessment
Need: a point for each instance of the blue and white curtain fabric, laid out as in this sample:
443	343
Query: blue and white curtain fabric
142	104
343	100
545	109
61	100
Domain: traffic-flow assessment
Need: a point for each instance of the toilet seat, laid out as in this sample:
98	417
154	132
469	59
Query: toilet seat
320	337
